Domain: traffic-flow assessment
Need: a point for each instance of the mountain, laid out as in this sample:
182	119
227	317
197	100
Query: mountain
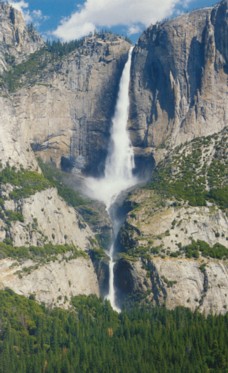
57	102
38	229
17	40
179	80
58	98
173	245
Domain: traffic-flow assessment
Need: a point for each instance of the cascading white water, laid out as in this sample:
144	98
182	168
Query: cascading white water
118	175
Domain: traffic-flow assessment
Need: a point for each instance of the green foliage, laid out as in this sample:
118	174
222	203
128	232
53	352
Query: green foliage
202	267
26	71
169	283
26	182
98	254
46	60
91	337
60	49
186	173
39	253
198	247
29	71
219	196
143	252
14	216
56	178
72	197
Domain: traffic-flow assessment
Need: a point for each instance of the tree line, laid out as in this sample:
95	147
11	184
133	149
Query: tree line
91	337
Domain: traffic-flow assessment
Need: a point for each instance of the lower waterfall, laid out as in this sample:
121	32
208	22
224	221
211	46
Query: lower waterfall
118	175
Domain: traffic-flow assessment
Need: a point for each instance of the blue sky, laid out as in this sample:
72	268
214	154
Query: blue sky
71	19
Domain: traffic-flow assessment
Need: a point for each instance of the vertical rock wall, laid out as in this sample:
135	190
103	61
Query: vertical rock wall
179	79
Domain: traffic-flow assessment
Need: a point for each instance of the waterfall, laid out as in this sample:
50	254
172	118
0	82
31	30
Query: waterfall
118	175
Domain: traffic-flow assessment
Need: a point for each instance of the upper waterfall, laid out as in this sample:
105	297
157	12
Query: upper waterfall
120	160
118	175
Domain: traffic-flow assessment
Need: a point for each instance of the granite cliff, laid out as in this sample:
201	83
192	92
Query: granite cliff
179	80
57	104
44	242
58	101
17	40
173	245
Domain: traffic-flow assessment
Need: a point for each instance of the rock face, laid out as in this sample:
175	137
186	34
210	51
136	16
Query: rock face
163	278
167	226
53	283
15	148
61	110
173	99
47	218
173	248
16	40
68	110
65	114
179	80
196	284
64	107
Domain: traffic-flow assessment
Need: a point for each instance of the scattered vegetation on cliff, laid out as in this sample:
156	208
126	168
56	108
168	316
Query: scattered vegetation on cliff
196	172
197	248
56	178
51	55
89	210
29	70
91	337
194	250
15	185
71	196
144	252
25	183
48	252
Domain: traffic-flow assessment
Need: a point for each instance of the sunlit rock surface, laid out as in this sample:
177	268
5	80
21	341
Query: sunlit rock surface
16	40
179	80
